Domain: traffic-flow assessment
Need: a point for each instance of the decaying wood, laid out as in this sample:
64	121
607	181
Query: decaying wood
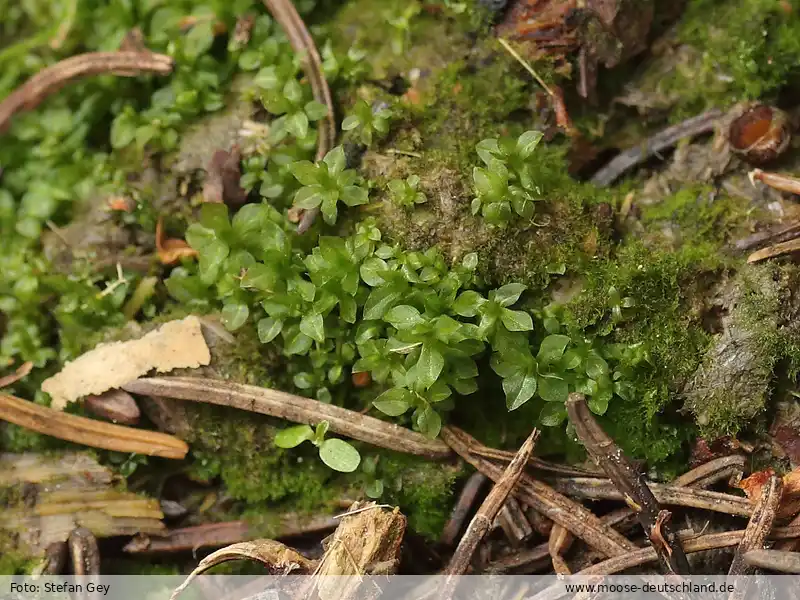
277	558
286	15
773	560
541	524
560	509
774	251
774	236
47	81
84	552
292	408
56	494
215	535
667	138
630	482
599	489
557	544
720	469
512	520
464	504
759	526
55	559
482	522
89	432
177	344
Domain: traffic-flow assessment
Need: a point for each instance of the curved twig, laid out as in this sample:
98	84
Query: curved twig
292	408
286	15
47	81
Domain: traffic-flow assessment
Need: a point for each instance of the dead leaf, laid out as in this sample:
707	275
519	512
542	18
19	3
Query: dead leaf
223	174
21	372
174	345
120	203
278	558
790	498
171	250
657	534
752	485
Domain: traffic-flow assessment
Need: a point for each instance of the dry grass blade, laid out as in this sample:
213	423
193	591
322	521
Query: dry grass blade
292	408
47	81
88	432
482	521
774	560
541	497
279	559
286	15
631	484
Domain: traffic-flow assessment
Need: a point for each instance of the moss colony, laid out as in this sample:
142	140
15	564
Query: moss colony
455	259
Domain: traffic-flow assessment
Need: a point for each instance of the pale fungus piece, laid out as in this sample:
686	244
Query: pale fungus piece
175	345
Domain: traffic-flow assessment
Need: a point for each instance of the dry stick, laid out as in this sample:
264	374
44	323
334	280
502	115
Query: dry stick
774	251
535	463
599	489
286	15
482	521
559	509
705	475
466	500
89	432
759	526
780	234
30	94
210	535
783	183
630	482
774	560
292	408
670	136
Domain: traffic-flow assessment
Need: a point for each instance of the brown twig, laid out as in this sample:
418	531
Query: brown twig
211	535
558	543
47	81
774	251
536	463
780	234
482	521
560	509
466	500
600	489
286	15
630	482
89	432
512	520
783	183
774	560
21	372
759	526
714	471
292	408
670	136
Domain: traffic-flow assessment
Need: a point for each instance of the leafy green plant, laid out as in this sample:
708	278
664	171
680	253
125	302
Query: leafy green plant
401	25
334	452
368	122
406	192
327	182
505	185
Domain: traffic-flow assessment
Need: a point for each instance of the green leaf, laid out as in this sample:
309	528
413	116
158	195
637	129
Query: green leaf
199	39
353	195
309	196
297	124
596	366
321	430
335	160
519	388
552	414
305	172
214	216
394	402
508	294
312	325
429	366
598	404
552	348
380	300
470	261
123	130
468	303
527	143
374	489
553	390
234	315
429	422
339	455
403	317
293	436
516	320
316	110
299	343
350	122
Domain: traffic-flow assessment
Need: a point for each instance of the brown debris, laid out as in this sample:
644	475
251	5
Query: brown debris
760	133
84	552
630	483
171	250
21	372
174	345
481	523
89	432
117	406
464	504
223	173
49	80
512	520
774	560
